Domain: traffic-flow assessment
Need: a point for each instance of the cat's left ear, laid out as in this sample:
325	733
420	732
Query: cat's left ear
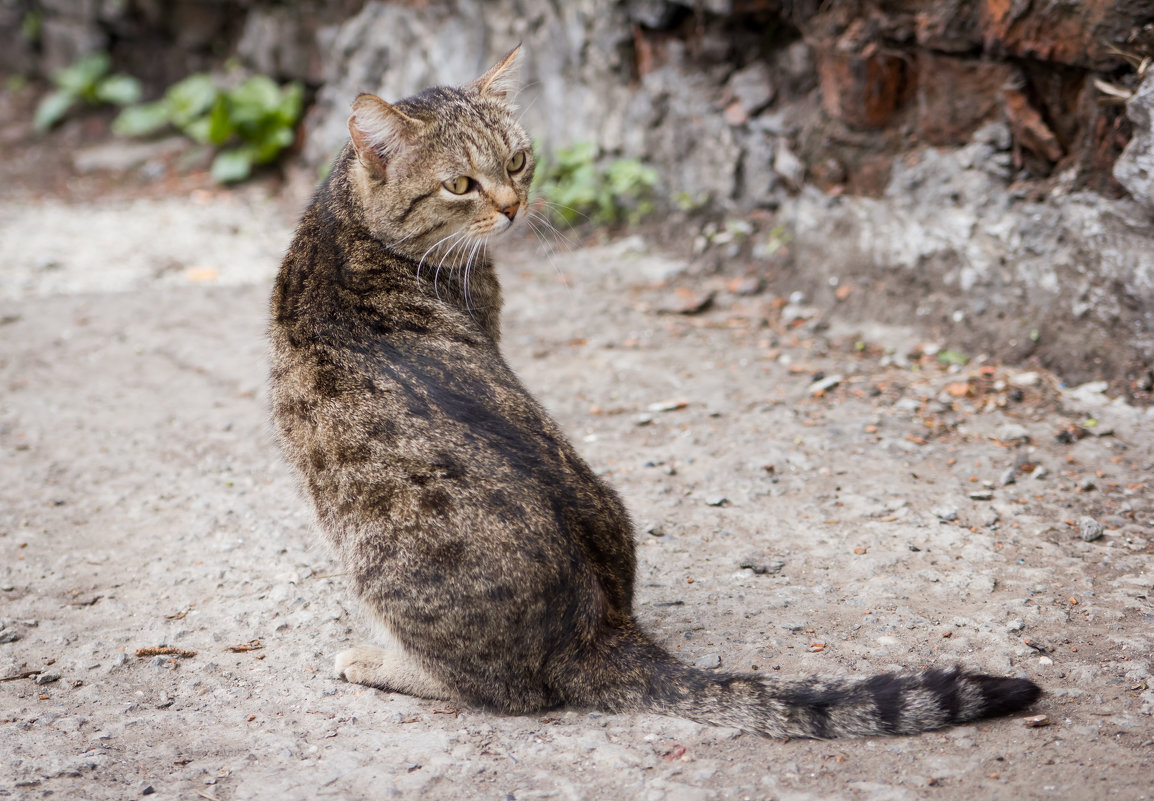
379	132
503	79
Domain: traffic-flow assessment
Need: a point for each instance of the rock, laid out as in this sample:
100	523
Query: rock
788	166
1089	529
1012	433
752	87
654	530
1134	169
982	495
121	155
760	565
9	635
159	663
829	382
46	677
709	661
717	500
1009	476
1015	625
945	512
1025	380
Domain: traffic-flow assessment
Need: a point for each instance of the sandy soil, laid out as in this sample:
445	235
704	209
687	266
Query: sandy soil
783	528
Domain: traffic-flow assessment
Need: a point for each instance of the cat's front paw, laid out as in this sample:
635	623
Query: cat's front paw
359	665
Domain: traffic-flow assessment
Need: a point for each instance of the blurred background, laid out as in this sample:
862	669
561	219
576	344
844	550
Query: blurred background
980	169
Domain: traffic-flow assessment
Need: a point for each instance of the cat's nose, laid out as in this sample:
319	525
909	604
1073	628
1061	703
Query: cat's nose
510	211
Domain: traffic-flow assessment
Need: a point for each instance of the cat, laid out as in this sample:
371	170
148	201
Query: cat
498	568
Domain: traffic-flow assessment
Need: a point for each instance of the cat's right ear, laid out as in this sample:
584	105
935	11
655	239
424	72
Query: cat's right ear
379	133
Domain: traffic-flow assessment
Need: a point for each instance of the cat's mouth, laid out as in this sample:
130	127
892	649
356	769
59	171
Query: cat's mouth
500	225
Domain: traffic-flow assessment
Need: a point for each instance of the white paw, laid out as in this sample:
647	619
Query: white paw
358	665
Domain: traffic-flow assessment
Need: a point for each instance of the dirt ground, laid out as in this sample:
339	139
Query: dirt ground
810	499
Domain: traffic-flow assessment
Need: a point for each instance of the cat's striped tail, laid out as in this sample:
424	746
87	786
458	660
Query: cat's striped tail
636	674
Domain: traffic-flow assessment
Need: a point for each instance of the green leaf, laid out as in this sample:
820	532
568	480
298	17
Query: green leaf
190	98
952	357
220	126
119	89
252	102
81	76
233	165
141	120
199	130
276	140
291	104
51	109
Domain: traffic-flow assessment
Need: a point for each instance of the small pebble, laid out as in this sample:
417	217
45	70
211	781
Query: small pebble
1087	484
1036	721
1089	529
1040	472
717	500
1017	624
760	565
829	382
1026	380
709	661
947	513
982	495
1009	476
1012	433
46	677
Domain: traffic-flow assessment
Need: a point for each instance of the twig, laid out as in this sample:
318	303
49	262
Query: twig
165	650
25	675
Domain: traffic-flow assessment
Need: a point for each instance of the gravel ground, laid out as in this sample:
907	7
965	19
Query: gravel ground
810	499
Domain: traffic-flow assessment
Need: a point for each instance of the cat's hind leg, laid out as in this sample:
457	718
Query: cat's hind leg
390	669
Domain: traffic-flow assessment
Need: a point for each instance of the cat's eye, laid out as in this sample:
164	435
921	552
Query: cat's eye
459	185
517	163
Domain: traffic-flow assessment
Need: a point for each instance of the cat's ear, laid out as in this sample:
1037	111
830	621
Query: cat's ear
379	132
503	80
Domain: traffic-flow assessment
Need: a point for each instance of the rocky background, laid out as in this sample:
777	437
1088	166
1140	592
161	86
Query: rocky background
981	168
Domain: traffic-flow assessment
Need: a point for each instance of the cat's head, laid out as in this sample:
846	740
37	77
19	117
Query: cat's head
440	172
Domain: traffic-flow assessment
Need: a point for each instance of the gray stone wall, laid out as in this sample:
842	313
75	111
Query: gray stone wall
957	159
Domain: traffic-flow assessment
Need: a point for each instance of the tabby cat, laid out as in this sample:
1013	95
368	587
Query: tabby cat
498	568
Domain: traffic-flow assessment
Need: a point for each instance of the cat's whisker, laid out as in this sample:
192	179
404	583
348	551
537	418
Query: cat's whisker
531	102
545	224
541	227
552	204
434	246
458	236
468	268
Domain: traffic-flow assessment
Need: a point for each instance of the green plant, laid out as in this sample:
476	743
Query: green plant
250	123
574	186
87	80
